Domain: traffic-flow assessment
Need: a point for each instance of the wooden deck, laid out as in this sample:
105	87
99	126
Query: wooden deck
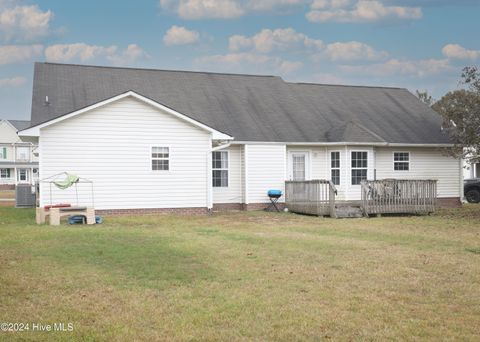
389	196
314	197
399	196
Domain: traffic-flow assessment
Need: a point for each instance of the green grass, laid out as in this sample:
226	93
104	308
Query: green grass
244	276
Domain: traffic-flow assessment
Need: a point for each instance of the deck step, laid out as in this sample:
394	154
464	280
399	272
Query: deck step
348	211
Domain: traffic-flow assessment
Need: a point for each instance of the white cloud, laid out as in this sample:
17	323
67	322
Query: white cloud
13	82
84	52
78	51
326	4
350	51
359	11
250	61
272	5
23	22
420	68
196	9
269	40
19	53
132	53
225	9
455	51
177	35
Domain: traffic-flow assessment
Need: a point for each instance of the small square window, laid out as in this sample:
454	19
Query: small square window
160	158
401	161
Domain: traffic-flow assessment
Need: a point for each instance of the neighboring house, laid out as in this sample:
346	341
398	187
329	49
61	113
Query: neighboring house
471	170
18	162
154	140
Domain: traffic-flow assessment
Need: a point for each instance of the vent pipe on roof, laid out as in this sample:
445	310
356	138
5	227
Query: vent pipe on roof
46	101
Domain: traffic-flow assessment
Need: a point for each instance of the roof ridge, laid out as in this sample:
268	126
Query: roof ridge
344	85
152	69
369	131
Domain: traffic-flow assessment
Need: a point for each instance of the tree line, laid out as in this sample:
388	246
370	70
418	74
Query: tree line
460	110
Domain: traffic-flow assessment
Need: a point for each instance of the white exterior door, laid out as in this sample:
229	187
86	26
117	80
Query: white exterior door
299	165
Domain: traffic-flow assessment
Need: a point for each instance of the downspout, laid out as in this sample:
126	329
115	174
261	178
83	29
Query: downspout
461	179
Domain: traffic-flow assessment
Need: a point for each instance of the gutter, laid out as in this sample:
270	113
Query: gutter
340	143
221	147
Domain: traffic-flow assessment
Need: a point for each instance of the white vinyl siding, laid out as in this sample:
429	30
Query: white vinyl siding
23	153
266	171
424	163
111	145
233	193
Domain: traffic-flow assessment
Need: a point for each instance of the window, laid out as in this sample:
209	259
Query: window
3	153
160	158
5	173
23	153
22	175
220	169
401	161
335	167
359	167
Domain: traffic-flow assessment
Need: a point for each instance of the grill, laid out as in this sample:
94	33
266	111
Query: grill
274	196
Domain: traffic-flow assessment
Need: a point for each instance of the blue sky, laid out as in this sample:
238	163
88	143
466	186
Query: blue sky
416	44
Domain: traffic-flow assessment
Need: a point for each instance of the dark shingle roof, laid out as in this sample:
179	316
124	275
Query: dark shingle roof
249	108
20	124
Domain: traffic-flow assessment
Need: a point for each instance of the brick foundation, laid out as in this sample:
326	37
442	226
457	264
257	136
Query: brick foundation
228	207
261	206
154	211
7	186
446	202
449	202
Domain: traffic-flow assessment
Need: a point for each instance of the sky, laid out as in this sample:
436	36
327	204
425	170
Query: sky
414	44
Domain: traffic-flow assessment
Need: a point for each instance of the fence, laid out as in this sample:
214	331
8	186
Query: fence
314	197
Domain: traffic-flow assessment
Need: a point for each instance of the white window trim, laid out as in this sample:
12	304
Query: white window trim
308	163
408	162
228	170
357	168
336	168
27	175
169	158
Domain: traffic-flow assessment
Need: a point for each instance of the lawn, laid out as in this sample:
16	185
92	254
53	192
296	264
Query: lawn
244	276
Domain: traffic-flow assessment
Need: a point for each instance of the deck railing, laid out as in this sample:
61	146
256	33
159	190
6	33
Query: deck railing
396	196
313	197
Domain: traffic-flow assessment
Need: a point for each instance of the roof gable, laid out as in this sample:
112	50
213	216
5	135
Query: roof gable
249	108
34	130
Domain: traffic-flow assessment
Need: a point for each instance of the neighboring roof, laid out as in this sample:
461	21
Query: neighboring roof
20	124
247	107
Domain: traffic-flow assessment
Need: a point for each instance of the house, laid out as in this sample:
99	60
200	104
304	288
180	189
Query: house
18	162
157	140
471	170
